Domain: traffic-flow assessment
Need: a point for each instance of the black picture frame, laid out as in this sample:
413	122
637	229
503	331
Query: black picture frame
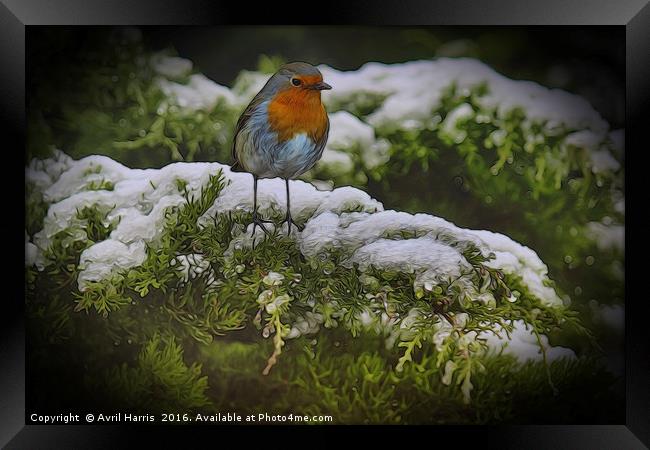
634	15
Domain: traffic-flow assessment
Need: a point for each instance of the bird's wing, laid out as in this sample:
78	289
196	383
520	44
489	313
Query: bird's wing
320	143
243	120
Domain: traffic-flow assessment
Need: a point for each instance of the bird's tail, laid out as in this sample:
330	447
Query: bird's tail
236	167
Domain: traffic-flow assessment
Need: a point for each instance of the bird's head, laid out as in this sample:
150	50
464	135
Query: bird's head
298	78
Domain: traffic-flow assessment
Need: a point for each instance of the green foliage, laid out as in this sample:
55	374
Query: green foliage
104	296
234	311
505	173
116	107
270	64
242	306
499	172
35	209
160	382
356	383
188	136
361	104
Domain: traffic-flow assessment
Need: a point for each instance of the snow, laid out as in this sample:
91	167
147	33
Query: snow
449	125
337	161
583	139
306	200
200	93
106	258
436	252
192	265
412	92
348	133
523	344
612	316
171	66
94	169
248	84
407	96
137	205
42	173
31	252
309	324
514	258
414	89
603	161
346	220
607	237
273	279
411	255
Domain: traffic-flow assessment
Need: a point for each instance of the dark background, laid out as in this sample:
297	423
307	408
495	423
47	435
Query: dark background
589	61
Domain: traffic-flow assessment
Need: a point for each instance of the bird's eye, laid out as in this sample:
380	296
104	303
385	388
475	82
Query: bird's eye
296	82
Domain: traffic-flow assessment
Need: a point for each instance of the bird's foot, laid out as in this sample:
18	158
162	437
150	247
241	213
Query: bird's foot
258	222
290	221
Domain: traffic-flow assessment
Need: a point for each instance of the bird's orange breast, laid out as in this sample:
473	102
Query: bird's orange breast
296	111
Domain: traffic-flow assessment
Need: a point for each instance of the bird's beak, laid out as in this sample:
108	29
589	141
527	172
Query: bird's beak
321	86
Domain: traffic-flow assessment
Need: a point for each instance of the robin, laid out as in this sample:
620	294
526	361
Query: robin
283	131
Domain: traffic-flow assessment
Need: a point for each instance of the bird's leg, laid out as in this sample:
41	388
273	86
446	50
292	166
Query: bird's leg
288	219
256	219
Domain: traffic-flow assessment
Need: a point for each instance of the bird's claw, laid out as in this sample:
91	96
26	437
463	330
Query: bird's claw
257	222
290	221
